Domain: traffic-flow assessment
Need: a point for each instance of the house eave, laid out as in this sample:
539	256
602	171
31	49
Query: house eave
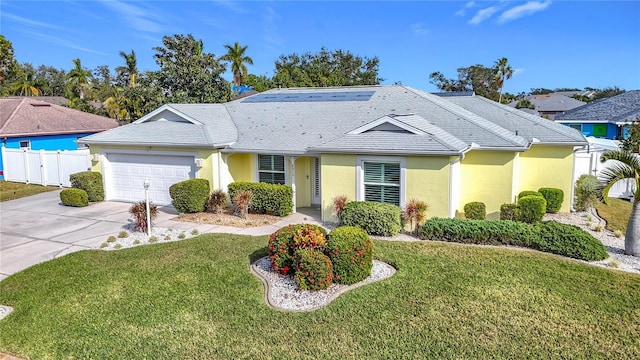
387	152
51	133
152	144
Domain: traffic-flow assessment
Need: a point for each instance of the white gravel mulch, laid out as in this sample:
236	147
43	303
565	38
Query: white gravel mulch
283	293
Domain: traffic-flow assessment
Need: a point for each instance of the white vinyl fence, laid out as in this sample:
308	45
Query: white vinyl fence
44	167
588	162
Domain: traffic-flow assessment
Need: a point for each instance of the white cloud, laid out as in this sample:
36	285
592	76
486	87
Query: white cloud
519	11
29	22
137	17
419	29
483	15
463	11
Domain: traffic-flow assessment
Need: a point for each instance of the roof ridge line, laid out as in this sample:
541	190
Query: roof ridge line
435	128
480	123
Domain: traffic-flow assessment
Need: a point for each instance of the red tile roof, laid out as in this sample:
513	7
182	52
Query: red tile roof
28	116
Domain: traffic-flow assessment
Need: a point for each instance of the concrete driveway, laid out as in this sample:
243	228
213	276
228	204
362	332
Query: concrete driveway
39	228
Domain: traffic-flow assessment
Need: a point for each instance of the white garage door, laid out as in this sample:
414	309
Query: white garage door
129	171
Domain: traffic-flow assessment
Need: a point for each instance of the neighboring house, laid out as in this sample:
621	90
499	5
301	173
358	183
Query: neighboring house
28	123
376	143
549	106
606	118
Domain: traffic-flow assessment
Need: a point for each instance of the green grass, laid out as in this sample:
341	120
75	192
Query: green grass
197	299
12	190
616	213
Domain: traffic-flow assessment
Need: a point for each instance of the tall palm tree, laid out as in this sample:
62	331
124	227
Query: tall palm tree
626	166
235	54
26	85
503	73
79	77
131	67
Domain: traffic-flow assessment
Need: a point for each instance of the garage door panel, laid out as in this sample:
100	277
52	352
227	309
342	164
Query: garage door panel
129	171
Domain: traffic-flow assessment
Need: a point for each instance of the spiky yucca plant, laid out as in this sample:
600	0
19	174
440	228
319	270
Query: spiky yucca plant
139	212
242	200
415	211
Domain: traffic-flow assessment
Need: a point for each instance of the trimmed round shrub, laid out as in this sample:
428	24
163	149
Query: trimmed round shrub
189	196
568	240
528	193
314	270
375	218
74	197
532	208
267	198
509	212
351	252
482	232
309	237
281	246
554	198
89	181
475	210
588	190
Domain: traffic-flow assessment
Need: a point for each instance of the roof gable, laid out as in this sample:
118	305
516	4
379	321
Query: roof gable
386	123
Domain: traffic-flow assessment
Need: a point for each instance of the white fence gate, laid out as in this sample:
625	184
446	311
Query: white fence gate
44	167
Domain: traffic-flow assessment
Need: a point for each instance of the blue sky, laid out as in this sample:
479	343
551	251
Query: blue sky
548	43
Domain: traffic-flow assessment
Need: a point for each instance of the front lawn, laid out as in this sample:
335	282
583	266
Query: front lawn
197	299
13	190
616	213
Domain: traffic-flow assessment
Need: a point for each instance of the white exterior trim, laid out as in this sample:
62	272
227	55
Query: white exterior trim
454	185
256	167
386	120
360	160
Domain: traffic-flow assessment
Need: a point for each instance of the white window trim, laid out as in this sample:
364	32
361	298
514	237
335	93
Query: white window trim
287	181
360	160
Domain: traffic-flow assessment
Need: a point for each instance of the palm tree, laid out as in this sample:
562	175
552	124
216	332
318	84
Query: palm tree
627	166
79	77
503	73
235	54
26	85
131	68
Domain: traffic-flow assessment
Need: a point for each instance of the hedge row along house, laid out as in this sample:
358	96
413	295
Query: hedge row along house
386	143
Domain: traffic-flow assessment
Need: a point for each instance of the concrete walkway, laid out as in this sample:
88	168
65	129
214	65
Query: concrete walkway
39	228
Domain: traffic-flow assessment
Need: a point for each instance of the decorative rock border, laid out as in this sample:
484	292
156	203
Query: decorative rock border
282	293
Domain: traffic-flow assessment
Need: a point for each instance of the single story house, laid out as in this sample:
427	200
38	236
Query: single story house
387	143
606	118
31	124
550	105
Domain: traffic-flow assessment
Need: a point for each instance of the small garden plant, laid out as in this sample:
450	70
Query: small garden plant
415	212
74	197
139	213
123	234
217	201
475	210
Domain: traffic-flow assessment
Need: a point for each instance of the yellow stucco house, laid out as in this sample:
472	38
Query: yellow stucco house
375	143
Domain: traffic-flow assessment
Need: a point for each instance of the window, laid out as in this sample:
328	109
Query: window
576	126
25	144
382	182
271	169
600	130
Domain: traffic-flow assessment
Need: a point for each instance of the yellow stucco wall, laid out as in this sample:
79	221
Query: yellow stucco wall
487	176
547	166
337	177
427	179
241	167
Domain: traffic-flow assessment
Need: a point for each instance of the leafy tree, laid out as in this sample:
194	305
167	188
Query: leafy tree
326	68
632	143
540	91
8	66
235	55
130	70
51	80
503	73
477	78
26	83
259	83
78	79
187	74
597	94
626	166
525	104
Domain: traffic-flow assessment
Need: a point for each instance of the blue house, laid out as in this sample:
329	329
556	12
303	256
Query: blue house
607	118
28	123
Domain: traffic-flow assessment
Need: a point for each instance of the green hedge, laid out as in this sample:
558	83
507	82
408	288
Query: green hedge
272	198
375	218
190	196
509	212
531	208
351	252
568	240
554	198
314	270
89	181
74	197
475	210
548	236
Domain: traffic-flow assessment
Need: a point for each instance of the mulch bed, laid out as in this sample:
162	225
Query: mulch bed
226	218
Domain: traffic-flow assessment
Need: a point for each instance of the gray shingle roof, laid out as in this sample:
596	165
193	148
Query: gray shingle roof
620	108
520	122
554	102
298	121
